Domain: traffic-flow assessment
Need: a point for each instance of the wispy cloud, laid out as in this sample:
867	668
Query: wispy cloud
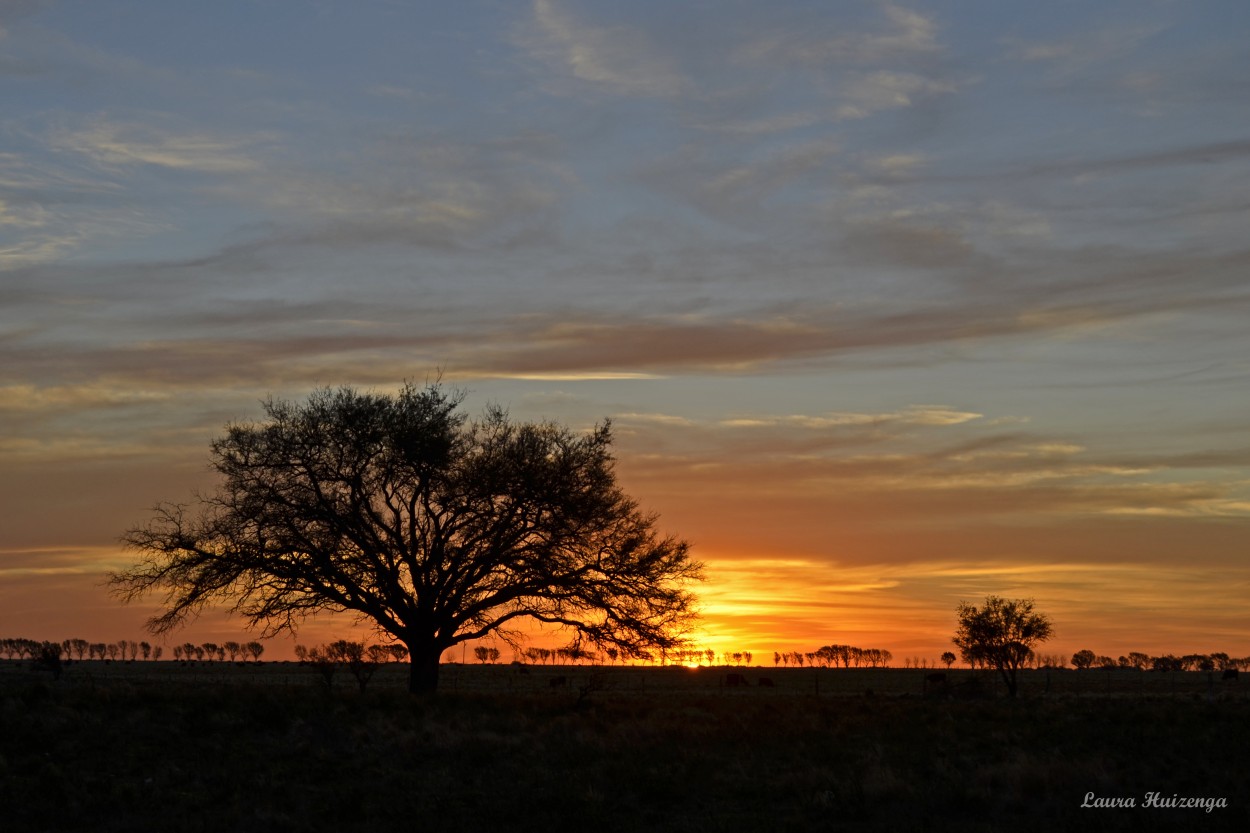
119	144
1074	55
617	59
1210	153
1090	290
863	95
912	415
898	34
20	399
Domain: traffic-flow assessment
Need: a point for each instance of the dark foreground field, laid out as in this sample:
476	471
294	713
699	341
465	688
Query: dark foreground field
162	747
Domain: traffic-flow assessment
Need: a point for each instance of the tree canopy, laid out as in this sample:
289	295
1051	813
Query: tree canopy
436	528
1001	634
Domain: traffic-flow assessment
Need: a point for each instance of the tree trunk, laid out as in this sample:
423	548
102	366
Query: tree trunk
423	668
1009	676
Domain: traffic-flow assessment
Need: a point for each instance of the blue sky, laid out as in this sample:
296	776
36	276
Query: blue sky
892	305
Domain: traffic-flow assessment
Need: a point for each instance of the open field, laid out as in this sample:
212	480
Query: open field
161	746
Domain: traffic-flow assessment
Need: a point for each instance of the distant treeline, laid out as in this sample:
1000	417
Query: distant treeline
833	656
1217	661
1138	661
127	650
846	656
576	654
349	653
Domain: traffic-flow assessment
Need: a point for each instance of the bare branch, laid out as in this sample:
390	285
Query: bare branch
434	528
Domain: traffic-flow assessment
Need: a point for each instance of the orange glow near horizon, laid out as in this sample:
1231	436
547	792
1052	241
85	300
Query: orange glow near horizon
756	605
803	546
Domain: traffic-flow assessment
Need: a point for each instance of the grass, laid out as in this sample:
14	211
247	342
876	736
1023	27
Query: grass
123	747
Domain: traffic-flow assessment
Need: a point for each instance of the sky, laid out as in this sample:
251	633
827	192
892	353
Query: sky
891	305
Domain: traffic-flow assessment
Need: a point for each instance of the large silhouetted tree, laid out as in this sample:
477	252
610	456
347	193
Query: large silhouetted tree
435	528
1001	634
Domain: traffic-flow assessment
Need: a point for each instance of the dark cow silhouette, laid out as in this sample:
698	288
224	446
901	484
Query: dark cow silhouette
558	682
935	679
1229	674
735	680
766	682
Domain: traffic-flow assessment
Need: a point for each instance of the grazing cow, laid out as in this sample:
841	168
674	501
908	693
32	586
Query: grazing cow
766	682
558	682
1230	674
735	680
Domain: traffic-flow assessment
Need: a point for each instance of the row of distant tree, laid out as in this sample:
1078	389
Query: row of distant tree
128	650
834	656
1217	661
360	658
575	654
1134	660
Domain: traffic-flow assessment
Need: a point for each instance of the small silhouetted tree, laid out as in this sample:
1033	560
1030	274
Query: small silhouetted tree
352	654
157	650
48	657
361	661
323	664
1001	634
146	649
948	659
232	649
436	529
255	649
178	653
210	650
1083	659
79	647
481	652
